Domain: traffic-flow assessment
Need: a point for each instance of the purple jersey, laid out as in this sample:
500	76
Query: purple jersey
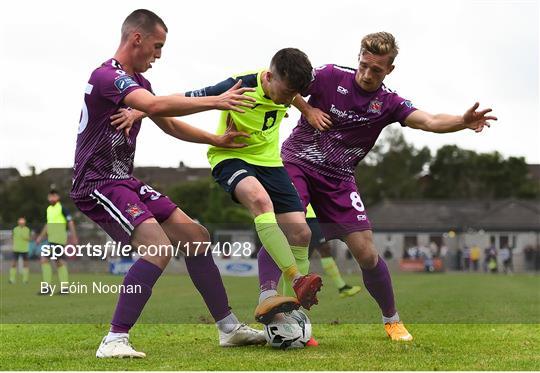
358	118
102	153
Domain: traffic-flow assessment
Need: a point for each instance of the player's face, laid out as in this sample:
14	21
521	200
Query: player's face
149	49
278	90
21	222
53	198
372	70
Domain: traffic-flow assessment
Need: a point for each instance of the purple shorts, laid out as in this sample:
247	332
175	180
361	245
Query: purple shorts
119	206
336	202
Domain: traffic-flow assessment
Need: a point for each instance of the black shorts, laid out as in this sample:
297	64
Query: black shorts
317	236
275	180
16	255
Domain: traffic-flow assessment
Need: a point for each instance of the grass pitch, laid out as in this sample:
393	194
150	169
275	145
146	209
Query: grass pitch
459	322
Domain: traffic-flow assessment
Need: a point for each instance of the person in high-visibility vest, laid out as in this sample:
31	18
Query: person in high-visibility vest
21	240
58	219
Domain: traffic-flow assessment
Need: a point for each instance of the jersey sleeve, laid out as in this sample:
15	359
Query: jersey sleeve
249	80
213	90
66	214
116	84
321	75
403	108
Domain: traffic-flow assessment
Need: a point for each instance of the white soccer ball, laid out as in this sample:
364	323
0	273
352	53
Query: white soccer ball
288	330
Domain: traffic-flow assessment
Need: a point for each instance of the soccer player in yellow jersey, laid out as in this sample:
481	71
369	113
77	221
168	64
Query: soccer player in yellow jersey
21	244
255	177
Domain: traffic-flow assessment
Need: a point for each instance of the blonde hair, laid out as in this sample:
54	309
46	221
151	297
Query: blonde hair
380	43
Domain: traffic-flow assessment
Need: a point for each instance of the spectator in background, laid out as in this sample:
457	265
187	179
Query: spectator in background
387	253
21	240
486	257
466	258
492	264
506	259
475	257
459	256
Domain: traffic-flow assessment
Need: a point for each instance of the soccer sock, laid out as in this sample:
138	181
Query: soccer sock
63	273
269	272
13	274
301	256
378	283
46	272
130	305
228	323
112	336
267	294
331	269
392	319
25	274
276	244
205	276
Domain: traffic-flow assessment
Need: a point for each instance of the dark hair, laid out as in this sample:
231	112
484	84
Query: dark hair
293	66
143	20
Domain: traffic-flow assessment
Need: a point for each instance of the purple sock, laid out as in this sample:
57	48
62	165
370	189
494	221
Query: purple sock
130	306
378	283
269	272
205	276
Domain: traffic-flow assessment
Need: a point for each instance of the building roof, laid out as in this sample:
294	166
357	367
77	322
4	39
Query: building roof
457	215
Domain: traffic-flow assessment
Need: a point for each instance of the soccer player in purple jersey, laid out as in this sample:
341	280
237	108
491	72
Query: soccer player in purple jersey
346	112
127	209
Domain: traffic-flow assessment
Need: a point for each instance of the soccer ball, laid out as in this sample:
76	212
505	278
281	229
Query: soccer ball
288	330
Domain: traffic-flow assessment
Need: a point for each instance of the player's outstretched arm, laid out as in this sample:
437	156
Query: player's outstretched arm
443	123
317	118
177	105
183	131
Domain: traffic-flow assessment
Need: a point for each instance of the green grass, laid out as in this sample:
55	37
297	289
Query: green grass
459	322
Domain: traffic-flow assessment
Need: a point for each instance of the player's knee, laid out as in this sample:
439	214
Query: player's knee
365	253
370	260
200	234
261	202
299	236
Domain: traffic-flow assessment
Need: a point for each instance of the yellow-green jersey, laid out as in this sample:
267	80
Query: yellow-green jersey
57	219
21	239
261	122
310	213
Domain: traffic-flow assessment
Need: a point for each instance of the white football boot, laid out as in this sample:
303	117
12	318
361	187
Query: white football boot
242	335
118	348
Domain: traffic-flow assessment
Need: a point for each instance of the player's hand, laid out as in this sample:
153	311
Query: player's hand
318	119
235	98
227	140
124	118
477	120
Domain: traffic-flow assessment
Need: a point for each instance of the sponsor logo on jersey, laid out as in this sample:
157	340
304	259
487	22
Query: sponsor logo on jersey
342	90
133	210
407	103
124	82
375	107
350	116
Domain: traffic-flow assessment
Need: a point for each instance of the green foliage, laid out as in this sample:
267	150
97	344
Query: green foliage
25	197
393	169
459	173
